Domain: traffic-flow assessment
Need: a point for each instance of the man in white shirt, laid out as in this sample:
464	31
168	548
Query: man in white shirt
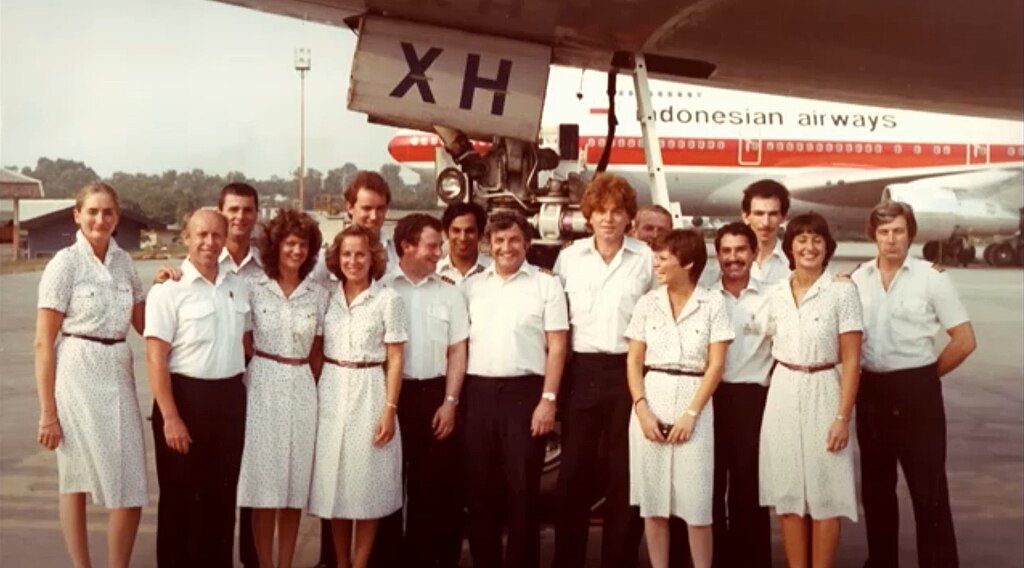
195	360
651	222
367	199
741	527
463	223
900	414
517	342
604	275
434	365
764	208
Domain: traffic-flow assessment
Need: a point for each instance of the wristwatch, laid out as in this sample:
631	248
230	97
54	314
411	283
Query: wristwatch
549	396
452	399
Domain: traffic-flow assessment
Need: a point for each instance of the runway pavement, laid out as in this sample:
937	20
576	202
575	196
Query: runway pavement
984	406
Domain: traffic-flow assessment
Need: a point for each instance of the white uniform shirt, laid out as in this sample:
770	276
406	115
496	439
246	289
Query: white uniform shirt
808	334
286	326
446	269
774	269
202	321
749	357
602	295
680	342
900	325
508	319
358	333
96	298
437	319
251	267
322	276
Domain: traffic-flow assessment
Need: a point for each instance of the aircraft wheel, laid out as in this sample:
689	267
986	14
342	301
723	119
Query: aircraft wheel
931	251
987	254
1020	256
1004	255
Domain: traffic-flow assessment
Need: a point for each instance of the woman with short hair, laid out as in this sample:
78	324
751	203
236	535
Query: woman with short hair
286	346
678	336
91	294
806	460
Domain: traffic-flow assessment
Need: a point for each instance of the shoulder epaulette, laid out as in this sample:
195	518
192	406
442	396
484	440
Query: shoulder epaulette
938	267
447	280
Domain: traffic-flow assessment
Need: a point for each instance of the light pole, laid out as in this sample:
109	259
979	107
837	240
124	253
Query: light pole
302	64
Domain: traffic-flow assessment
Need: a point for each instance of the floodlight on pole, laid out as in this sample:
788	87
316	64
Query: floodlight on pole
303	62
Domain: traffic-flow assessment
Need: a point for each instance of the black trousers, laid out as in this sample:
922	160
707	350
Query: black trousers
246	541
196	512
741	527
502	466
595	448
900	419
433	503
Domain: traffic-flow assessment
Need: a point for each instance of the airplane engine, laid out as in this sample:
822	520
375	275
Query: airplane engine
944	213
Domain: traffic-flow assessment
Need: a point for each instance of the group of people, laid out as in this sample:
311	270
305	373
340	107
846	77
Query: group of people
405	396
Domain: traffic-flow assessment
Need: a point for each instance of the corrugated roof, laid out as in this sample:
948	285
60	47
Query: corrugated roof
17	186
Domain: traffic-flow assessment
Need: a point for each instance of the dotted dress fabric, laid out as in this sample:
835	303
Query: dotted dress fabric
102	452
281	399
353	479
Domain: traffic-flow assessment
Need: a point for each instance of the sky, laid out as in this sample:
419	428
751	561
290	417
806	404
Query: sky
152	85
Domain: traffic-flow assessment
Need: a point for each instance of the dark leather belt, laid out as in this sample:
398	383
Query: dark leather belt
297	361
675	372
354	364
808	368
103	340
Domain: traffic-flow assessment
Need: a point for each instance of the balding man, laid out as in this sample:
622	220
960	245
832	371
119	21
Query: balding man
651	222
194	329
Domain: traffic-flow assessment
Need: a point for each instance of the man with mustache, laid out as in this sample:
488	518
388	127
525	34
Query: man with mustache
741	527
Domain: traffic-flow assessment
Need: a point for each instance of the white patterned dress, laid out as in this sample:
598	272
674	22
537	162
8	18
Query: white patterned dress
675	479
102	451
352	478
797	474
281	399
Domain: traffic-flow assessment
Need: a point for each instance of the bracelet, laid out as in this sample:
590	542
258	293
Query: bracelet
638	401
451	399
390	404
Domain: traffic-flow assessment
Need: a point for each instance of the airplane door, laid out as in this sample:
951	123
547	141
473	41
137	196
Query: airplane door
750	152
977	153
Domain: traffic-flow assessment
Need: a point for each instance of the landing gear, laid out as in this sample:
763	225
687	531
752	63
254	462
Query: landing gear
1003	254
954	252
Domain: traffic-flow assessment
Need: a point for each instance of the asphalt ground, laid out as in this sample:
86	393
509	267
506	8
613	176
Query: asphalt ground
984	407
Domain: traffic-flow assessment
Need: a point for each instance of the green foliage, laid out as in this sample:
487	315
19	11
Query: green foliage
167	196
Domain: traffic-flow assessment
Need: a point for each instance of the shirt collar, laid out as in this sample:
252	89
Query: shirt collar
252	256
275	286
399	273
482	262
825	279
362	297
697	297
873	263
83	244
629	244
189	273
752	286
524	268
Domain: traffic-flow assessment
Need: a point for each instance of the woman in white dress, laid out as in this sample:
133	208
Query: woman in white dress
679	333
806	467
357	468
286	345
91	294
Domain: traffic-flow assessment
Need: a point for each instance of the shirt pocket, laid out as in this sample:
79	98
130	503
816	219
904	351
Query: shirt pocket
911	318
581	303
197	322
439	322
304	327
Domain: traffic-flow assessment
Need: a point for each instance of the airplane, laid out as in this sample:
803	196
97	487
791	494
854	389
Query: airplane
838	159
479	70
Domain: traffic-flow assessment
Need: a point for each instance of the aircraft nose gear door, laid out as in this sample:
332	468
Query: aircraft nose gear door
652	148
750	152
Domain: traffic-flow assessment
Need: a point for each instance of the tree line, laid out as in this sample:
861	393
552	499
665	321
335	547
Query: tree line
167	196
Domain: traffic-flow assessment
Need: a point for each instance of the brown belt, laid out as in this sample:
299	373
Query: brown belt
676	372
808	368
103	340
354	364
297	361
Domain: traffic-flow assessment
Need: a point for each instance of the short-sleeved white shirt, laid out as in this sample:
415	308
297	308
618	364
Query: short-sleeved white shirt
900	325
251	267
286	326
447	270
749	357
680	342
808	334
602	295
358	333
202	320
508	319
95	297
437	319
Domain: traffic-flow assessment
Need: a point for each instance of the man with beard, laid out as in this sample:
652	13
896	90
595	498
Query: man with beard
741	527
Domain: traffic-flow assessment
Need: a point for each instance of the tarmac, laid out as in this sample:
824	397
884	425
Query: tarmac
984	408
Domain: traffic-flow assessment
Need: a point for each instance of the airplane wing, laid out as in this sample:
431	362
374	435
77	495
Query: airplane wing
865	187
943	55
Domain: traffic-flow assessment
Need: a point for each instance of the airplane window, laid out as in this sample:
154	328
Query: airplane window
828	147
690	144
868	148
630	143
770	146
721	145
789	146
671	143
1009	151
897	149
849	147
600	142
620	143
799	146
878	148
945	151
859	148
700	144
936	150
662	144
